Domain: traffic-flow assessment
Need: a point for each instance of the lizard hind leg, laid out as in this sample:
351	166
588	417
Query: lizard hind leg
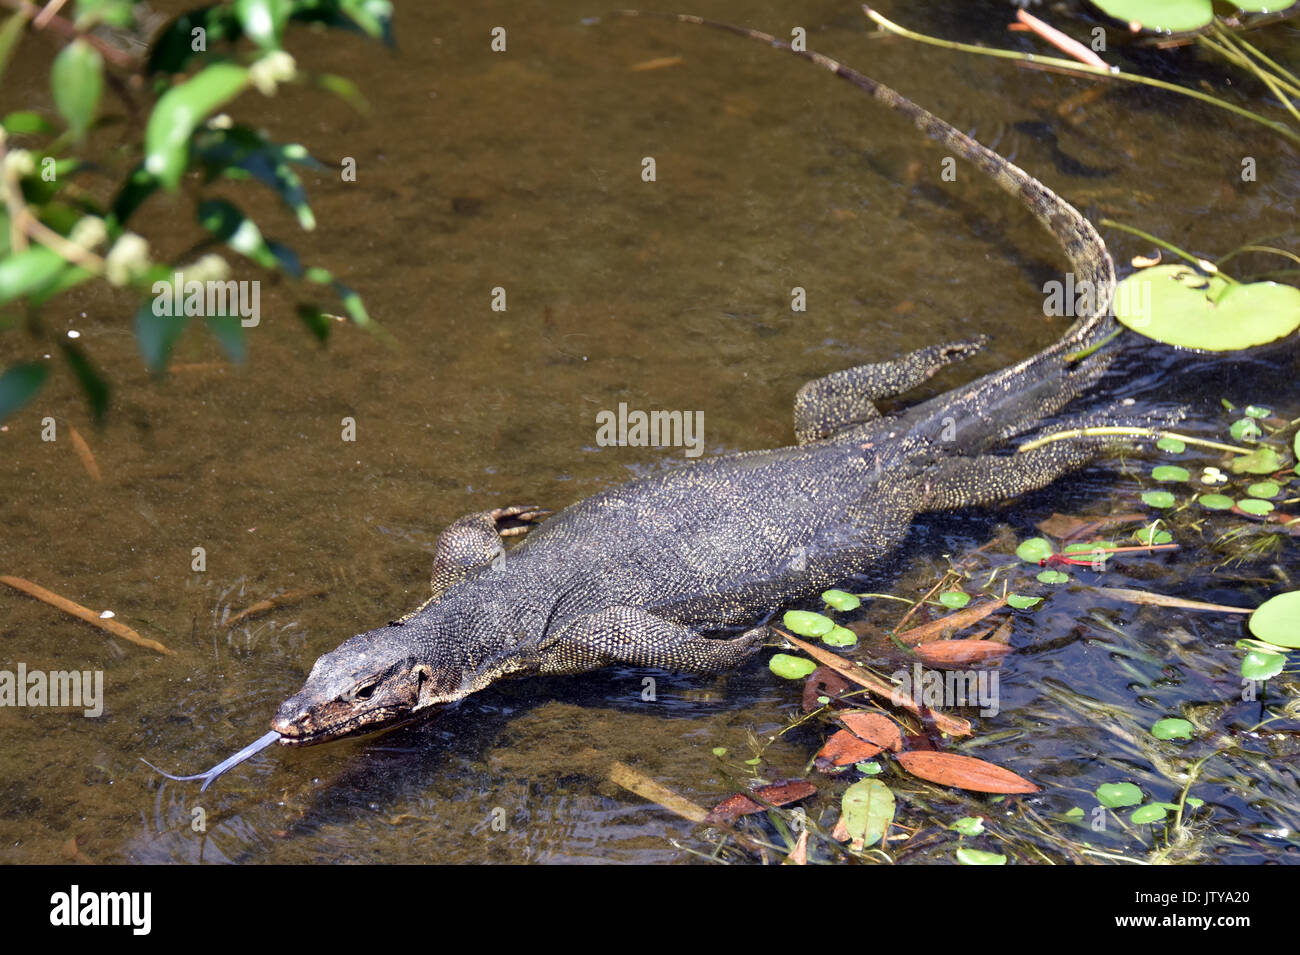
828	405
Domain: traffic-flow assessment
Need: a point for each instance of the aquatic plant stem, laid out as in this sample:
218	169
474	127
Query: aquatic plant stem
1119	430
1204	265
1073	66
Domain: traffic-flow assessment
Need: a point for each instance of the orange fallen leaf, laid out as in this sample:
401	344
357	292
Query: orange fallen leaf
961	652
778	794
84	453
954	621
874	728
822	682
845	749
964	772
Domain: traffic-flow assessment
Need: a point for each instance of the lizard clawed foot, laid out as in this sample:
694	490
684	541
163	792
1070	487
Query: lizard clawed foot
518	519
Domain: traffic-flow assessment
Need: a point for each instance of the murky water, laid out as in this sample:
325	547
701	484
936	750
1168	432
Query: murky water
522	171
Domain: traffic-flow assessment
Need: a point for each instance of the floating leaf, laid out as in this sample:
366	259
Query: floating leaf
840	637
1255	411
969	825
844	748
841	600
777	794
1172	445
964	772
76	82
1259	461
1158	499
875	728
1178	306
790	667
1151	536
18	385
808	624
954	653
868	808
871	768
719	751
1258	665
1216	502
954	599
1117	795
1170	472
1172	727
1245	430
1035	549
1021	602
1264	489
1277	620
1150	813
967	856
1254	506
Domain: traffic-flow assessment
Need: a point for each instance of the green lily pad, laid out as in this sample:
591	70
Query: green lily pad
1150	813
969	825
1021	602
1277	620
871	768
954	599
1259	461
1034	549
1178	306
1258	665
719	751
1176	16
868	808
1118	795
790	667
1252	505
1158	499
1172	445
1244	429
1255	411
979	857
1216	502
1052	577
1172	727
1170	472
1264	489
1074	812
1152	535
840	637
841	600
808	624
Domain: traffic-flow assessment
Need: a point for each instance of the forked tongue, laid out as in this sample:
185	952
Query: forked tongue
249	751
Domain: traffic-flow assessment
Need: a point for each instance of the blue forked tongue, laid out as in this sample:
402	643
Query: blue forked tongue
252	749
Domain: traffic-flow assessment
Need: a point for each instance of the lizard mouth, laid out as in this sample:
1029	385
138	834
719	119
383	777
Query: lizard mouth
293	732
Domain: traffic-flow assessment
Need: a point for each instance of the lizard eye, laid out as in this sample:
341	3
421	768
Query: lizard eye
365	691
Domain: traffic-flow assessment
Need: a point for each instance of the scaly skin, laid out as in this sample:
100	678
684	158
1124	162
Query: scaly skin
640	574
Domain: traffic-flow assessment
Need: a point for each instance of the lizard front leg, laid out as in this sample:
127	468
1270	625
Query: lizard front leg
637	637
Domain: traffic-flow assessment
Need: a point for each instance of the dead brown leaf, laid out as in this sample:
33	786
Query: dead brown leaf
875	728
954	621
964	772
955	653
845	749
777	794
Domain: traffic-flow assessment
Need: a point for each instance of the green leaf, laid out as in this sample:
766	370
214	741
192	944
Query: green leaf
1178	306
1257	665
871	768
92	384
1158	499
719	751
25	122
156	335
1277	620
179	112
968	856
173	49
263	21
1255	411
840	637
76	83
1171	727
1172	445
1034	550
808	624
1254	506
1021	602
10	32
1216	502
1259	461
28	271
1053	577
969	825
240	150
868	808
1150	813
18	385
1245	429
316	321
229	332
841	600
1151	535
1264	489
790	667
1170	472
1118	795
954	599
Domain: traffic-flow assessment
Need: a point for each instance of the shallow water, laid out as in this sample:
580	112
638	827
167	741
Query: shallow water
522	170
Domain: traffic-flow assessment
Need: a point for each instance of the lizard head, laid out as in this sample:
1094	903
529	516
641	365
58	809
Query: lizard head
371	682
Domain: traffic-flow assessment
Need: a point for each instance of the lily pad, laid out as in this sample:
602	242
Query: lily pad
1172	445
954	599
1171	727
1253	505
1259	461
1178	306
1255	411
1264	489
1053	577
841	600
1170	472
868	808
1151	813
1277	620
1245	429
840	637
1152	535
1258	665
1021	602
1216	502
979	857
1118	795
969	825
1158	499
808	624
1034	549
790	667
